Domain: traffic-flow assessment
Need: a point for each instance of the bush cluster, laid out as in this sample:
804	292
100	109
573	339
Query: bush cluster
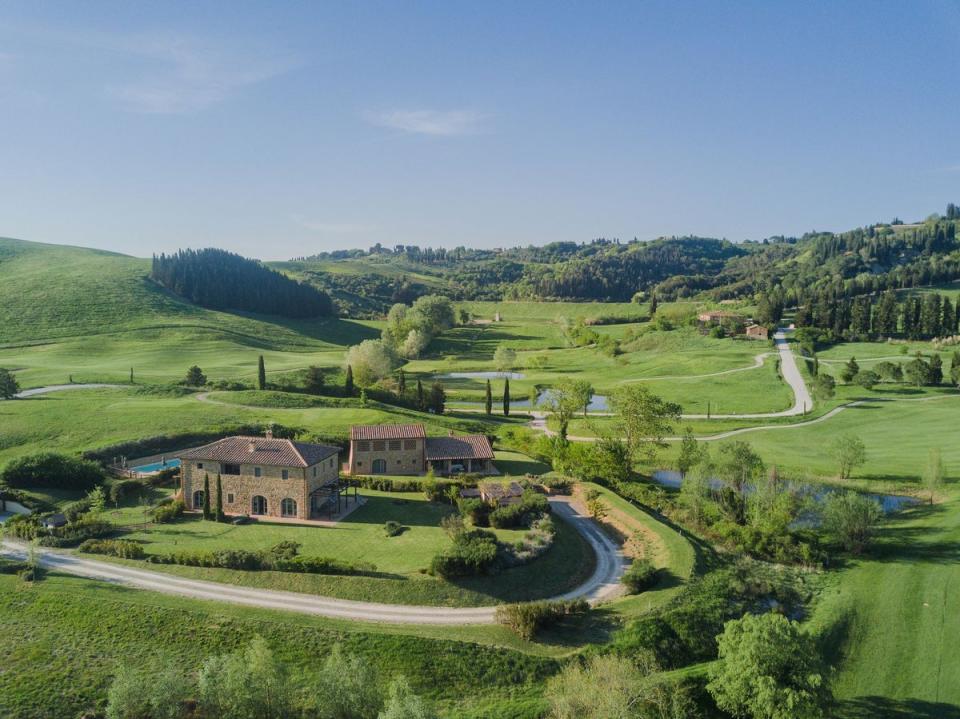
166	513
473	552
534	543
282	557
392	528
531	506
640	576
122	488
113	547
28	527
46	470
528	618
476	510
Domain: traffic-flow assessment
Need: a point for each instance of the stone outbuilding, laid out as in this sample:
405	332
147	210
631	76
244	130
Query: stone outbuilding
757	332
405	449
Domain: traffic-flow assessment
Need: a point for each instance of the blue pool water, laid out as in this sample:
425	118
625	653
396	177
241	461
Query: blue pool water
156	466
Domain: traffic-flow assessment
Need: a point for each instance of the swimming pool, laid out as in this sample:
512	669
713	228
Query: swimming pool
156	466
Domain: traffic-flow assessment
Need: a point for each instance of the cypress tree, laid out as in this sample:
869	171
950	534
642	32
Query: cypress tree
131	375
261	374
506	397
653	304
420	402
206	496
348	383
218	516
936	370
489	399
401	382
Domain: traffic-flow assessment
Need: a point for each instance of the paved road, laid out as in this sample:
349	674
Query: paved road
802	401
603	584
59	388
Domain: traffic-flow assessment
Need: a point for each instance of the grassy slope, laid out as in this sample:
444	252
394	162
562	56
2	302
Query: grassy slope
891	620
79	631
93	314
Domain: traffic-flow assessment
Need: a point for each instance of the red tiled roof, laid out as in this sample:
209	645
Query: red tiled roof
274	452
387	431
473	446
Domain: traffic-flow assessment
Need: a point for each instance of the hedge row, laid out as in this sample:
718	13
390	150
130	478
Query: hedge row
283	557
113	547
530	617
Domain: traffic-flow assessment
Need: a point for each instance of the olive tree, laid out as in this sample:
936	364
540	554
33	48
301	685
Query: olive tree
371	360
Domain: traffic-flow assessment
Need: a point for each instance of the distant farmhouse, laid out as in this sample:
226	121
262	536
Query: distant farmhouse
733	323
406	449
263	476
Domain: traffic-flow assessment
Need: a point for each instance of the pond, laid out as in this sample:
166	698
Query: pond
598	403
889	502
483	375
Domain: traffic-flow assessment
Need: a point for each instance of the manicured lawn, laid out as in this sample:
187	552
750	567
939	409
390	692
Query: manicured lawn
64	638
890	620
359	537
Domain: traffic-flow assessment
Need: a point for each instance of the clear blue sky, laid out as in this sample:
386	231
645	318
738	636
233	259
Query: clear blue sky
284	129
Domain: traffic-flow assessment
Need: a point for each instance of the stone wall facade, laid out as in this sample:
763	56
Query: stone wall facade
239	490
399	456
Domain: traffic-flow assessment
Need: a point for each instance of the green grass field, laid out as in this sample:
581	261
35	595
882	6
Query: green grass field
359	537
890	620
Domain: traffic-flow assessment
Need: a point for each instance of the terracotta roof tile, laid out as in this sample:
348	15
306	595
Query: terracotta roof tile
261	450
473	446
387	431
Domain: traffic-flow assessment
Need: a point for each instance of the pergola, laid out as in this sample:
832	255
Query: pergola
331	499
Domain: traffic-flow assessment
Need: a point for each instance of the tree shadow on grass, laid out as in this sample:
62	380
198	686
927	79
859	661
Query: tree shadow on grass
874	707
596	627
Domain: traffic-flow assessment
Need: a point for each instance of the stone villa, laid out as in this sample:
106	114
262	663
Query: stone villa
405	449
263	476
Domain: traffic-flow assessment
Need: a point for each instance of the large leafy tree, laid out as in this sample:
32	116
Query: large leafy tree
850	519
565	399
642	420
370	361
768	669
849	452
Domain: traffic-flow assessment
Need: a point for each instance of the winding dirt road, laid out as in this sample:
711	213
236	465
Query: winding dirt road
603	584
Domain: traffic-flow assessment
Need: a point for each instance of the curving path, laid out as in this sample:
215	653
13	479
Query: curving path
757	364
59	388
603	584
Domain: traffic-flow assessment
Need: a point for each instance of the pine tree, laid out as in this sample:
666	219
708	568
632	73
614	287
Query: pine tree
218	515
506	397
488	403
348	383
420	400
206	496
261	374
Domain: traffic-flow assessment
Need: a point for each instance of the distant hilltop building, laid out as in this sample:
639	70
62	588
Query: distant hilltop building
757	332
406	449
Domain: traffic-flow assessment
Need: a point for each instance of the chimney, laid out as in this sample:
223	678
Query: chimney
252	447
269	433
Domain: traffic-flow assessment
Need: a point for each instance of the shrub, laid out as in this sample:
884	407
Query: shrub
11	566
640	576
49	469
473	552
392	528
74	533
75	510
123	488
476	510
528	618
531	506
113	547
169	512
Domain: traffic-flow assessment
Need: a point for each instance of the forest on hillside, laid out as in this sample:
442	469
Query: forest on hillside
222	280
865	260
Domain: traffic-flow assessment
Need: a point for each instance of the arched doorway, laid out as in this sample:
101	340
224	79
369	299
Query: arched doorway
198	499
258	505
379	466
288	508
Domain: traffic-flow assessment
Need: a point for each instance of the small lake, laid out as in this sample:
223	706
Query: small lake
483	375
598	403
889	502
